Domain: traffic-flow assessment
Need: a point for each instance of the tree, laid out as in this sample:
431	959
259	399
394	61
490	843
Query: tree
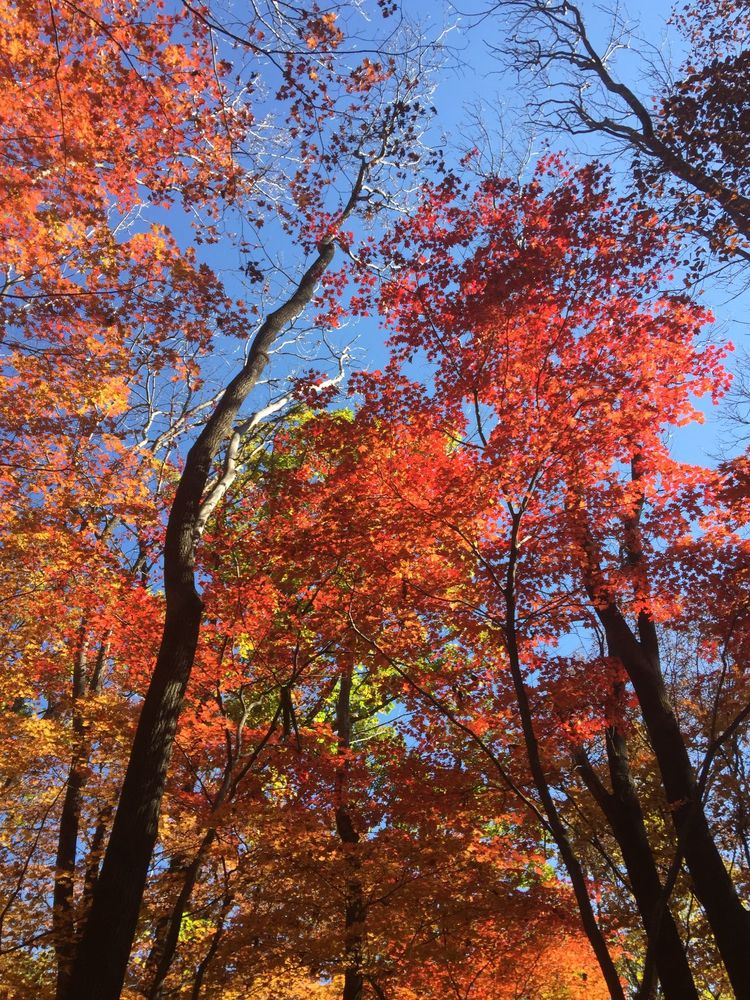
564	427
441	693
421	836
158	111
688	141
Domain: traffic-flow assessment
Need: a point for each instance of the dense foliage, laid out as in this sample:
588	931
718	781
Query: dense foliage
424	680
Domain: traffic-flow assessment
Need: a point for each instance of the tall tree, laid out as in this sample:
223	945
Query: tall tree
513	300
120	112
688	139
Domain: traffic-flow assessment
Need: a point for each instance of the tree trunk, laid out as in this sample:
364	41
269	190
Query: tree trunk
63	909
355	911
728	918
625	817
102	956
63	904
168	933
560	834
163	952
200	972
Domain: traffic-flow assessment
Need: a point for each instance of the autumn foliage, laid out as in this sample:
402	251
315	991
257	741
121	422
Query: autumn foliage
417	681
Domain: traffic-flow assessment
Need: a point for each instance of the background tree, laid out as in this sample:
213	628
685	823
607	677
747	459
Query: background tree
688	139
492	397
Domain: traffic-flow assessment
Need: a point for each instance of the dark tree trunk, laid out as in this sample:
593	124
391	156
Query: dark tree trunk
168	933
200	972
727	917
102	955
625	817
355	912
96	849
556	825
638	651
63	909
163	952
63	904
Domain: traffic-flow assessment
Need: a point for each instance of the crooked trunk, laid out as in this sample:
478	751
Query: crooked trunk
163	953
102	956
168	933
200	972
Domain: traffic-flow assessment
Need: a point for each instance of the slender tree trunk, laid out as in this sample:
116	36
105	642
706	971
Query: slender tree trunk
103	953
63	904
639	654
572	865
355	912
162	954
96	849
200	972
625	817
63	909
727	917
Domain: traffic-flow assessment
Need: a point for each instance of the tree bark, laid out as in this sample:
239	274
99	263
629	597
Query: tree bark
355	912
728	918
560	834
63	904
63	909
163	952
623	811
103	953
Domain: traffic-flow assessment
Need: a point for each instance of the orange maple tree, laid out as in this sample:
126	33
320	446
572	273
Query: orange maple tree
440	694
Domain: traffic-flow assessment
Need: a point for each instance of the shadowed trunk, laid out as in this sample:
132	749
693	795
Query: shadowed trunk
63	905
168	934
625	817
200	972
63	910
355	912
728	918
104	950
556	826
638	651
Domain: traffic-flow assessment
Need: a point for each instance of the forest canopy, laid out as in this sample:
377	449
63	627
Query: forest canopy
375	486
